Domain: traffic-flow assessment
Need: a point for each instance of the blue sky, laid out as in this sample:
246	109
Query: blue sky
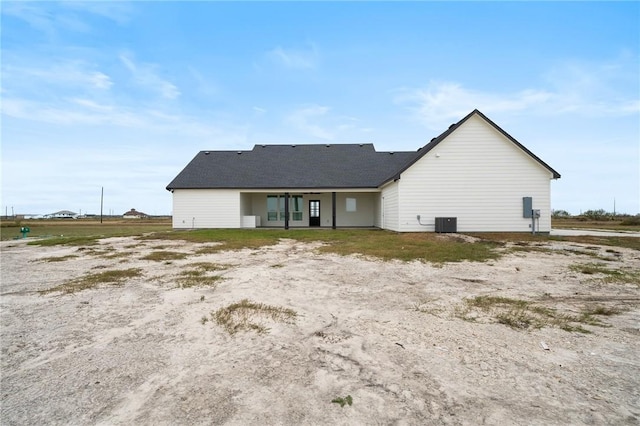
122	95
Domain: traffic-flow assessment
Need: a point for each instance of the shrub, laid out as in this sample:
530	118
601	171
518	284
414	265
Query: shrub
600	214
631	221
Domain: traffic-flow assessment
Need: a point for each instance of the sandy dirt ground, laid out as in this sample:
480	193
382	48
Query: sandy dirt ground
391	335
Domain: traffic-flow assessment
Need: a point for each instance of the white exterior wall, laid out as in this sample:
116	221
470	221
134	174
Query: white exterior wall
363	215
206	208
389	207
478	176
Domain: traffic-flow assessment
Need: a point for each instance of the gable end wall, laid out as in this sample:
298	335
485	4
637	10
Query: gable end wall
206	208
478	176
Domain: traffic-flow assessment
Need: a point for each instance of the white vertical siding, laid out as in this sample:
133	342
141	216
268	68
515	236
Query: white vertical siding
478	176
206	208
390	207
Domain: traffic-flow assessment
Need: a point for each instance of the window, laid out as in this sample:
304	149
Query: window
296	207
275	207
351	204
272	207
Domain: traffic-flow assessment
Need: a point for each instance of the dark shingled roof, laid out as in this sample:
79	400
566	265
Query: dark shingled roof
311	166
292	166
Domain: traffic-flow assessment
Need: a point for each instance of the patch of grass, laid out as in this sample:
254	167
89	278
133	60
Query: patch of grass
83	231
59	258
426	247
386	245
610	276
66	241
246	315
208	266
98	251
347	400
519	318
601	310
197	277
522	314
118	255
164	255
488	302
111	277
516	237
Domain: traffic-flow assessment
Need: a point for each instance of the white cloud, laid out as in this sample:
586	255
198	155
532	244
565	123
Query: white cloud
588	90
117	11
69	74
145	76
441	102
295	58
50	19
305	119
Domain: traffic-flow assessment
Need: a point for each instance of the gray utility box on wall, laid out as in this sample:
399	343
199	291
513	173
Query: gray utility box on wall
446	224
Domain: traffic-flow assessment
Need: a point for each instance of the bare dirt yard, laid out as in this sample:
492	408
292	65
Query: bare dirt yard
153	332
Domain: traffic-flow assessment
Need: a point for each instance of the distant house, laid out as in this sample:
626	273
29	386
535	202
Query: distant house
27	216
134	214
62	214
474	177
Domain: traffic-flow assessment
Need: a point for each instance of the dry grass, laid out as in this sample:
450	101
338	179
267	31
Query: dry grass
165	255
517	237
198	276
89	281
59	258
246	315
607	275
522	314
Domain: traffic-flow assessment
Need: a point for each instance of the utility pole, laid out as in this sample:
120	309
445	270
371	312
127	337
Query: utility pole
101	202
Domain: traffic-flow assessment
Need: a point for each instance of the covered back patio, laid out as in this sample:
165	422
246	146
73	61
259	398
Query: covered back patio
317	209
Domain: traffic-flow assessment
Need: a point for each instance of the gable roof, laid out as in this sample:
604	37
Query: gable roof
292	166
435	141
312	166
134	212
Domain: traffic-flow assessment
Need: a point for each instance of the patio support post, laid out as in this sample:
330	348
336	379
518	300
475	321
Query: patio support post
286	210
333	210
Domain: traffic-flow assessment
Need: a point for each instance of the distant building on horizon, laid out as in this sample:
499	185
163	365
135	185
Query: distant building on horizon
134	214
62	214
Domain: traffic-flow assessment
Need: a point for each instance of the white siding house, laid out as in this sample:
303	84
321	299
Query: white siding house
474	173
478	176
